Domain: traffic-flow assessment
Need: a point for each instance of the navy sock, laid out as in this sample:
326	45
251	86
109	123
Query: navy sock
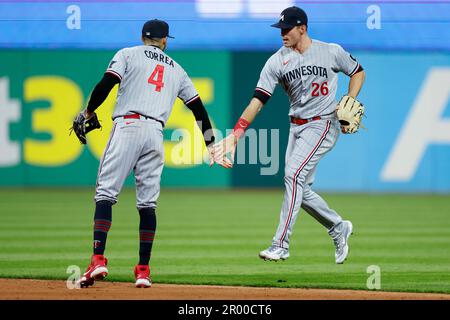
147	228
102	224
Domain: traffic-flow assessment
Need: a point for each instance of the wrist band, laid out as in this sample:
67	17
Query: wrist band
240	127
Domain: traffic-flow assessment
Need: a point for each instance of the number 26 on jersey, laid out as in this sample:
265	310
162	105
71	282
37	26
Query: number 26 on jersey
319	89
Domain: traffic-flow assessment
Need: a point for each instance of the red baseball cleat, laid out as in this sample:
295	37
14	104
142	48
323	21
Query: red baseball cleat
142	276
96	271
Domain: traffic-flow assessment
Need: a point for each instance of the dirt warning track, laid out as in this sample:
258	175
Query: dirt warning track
21	289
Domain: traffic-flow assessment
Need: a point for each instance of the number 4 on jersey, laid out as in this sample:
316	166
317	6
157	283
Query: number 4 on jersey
156	78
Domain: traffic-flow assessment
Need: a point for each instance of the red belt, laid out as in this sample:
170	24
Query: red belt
300	121
138	116
132	116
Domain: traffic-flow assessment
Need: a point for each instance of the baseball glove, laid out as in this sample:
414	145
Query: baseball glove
349	112
82	125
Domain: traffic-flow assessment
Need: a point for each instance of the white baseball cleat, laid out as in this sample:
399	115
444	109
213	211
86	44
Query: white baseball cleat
341	242
274	253
143	283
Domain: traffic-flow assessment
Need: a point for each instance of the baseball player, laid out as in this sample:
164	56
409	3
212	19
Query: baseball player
149	82
307	70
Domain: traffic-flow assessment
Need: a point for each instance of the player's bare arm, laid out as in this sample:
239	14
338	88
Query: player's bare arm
228	145
252	110
356	83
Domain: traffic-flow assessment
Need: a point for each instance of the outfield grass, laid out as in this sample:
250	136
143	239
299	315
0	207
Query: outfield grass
213	237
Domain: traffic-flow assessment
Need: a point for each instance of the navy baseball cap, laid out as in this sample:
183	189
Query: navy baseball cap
156	29
291	17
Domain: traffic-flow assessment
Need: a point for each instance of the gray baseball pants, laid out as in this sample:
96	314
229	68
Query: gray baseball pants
134	144
307	144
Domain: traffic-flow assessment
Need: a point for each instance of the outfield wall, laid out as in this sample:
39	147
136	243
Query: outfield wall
406	146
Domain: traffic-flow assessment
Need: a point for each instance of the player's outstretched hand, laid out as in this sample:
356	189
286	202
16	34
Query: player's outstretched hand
211	154
222	148
224	162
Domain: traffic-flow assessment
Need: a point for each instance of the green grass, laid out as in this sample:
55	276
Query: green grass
213	237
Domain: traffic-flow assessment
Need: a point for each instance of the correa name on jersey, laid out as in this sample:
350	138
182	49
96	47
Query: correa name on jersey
159	57
305	71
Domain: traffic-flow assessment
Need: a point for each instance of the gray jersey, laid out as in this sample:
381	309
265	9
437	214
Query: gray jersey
309	79
150	82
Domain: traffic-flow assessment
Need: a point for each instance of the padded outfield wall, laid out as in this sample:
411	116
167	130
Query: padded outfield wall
406	146
53	52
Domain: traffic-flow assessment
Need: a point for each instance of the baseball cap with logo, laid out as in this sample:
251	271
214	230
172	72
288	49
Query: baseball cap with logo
291	17
156	29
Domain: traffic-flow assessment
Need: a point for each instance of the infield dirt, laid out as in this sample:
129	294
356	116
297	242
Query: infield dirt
23	289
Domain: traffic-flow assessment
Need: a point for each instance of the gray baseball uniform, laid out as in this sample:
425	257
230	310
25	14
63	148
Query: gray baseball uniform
310	80
150	83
